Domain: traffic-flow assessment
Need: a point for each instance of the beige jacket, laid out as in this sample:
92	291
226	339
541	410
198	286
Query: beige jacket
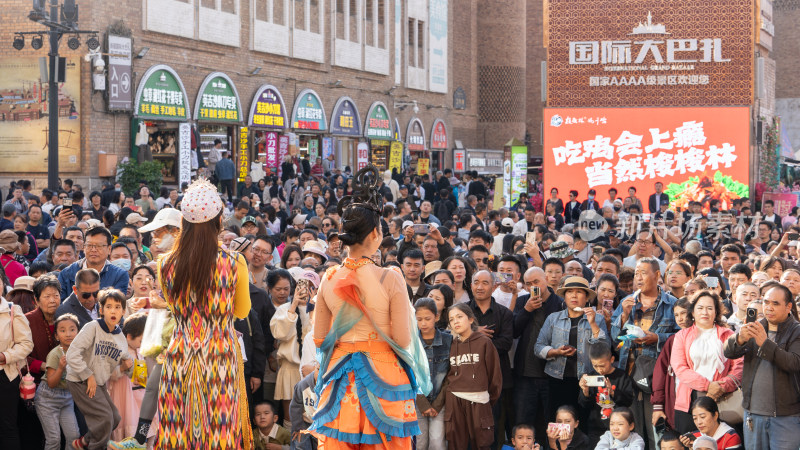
14	347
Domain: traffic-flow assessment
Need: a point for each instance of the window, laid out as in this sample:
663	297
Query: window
314	13
340	19
412	46
370	22
300	14
420	44
278	12
353	24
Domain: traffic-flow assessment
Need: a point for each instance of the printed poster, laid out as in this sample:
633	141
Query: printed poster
24	121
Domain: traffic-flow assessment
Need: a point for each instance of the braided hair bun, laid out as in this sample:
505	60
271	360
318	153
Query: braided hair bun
361	211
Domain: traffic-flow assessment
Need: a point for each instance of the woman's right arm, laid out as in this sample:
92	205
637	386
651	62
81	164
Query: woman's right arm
322	318
399	310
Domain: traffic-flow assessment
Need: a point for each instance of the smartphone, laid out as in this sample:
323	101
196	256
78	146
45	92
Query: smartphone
752	315
595	381
535	291
530	238
505	277
421	228
67	203
794	236
597	250
689	436
711	282
608	305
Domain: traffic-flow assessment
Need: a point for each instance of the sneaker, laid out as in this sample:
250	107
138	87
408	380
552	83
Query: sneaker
127	443
79	443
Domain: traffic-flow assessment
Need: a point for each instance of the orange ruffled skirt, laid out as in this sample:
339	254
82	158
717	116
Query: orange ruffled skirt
367	401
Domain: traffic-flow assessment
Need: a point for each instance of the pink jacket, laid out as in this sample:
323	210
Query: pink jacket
688	379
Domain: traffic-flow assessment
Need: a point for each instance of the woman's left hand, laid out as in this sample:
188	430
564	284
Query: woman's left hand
715	390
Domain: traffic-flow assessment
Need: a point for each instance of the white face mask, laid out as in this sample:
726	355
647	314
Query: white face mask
166	243
123	263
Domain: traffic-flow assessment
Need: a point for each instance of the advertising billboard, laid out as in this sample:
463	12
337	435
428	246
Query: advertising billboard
697	153
649	53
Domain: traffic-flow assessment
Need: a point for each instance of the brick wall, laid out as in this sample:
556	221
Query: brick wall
194	59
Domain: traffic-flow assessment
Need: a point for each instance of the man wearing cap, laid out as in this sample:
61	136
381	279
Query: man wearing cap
164	228
97	249
135	219
315	249
334	248
249	226
9	243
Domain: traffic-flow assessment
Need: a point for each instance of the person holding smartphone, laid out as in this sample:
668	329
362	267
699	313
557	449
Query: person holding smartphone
564	339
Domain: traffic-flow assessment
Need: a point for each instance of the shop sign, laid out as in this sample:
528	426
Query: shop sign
423	166
415	136
519	172
313	151
345	120
308	113
185	152
120	85
697	153
218	100
327	147
268	109
439	135
244	153
459	98
378	125
459	156
396	156
161	95
363	155
283	150
649	53
271	149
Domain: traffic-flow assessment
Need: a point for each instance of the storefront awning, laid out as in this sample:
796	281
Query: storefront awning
218	101
439	138
415	135
268	109
378	125
161	96
308	113
345	120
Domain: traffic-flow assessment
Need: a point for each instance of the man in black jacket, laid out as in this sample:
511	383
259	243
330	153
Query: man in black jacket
572	209
496	322
254	350
659	198
770	385
530	382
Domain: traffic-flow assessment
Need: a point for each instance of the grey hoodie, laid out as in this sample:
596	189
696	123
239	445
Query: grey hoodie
96	351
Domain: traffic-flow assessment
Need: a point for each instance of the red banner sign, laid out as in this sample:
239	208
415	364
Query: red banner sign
697	153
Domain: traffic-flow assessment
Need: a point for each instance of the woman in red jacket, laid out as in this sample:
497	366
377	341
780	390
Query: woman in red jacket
697	359
663	397
706	417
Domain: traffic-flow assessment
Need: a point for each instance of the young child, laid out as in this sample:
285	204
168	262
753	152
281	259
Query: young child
474	383
91	359
126	396
267	434
600	401
670	441
430	414
301	411
54	404
620	434
522	438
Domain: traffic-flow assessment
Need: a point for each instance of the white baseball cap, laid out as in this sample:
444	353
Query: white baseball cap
167	216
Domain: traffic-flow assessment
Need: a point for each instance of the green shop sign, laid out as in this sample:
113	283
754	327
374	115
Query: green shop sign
161	95
218	100
378	125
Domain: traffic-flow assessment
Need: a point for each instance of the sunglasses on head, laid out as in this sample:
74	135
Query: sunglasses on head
88	295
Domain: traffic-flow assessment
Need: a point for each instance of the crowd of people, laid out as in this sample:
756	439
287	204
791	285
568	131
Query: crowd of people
669	330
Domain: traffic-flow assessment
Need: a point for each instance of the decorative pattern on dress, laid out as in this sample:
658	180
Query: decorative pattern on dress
197	395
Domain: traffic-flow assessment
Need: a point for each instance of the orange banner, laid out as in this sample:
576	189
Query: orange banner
697	153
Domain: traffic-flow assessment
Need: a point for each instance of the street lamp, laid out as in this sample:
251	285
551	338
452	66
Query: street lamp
60	20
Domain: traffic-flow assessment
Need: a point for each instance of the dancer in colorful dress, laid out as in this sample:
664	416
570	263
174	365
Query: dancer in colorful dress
372	361
202	393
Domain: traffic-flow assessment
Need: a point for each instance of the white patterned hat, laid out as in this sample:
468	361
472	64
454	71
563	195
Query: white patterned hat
201	202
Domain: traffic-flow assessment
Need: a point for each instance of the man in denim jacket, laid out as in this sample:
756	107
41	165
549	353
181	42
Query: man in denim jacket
651	309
